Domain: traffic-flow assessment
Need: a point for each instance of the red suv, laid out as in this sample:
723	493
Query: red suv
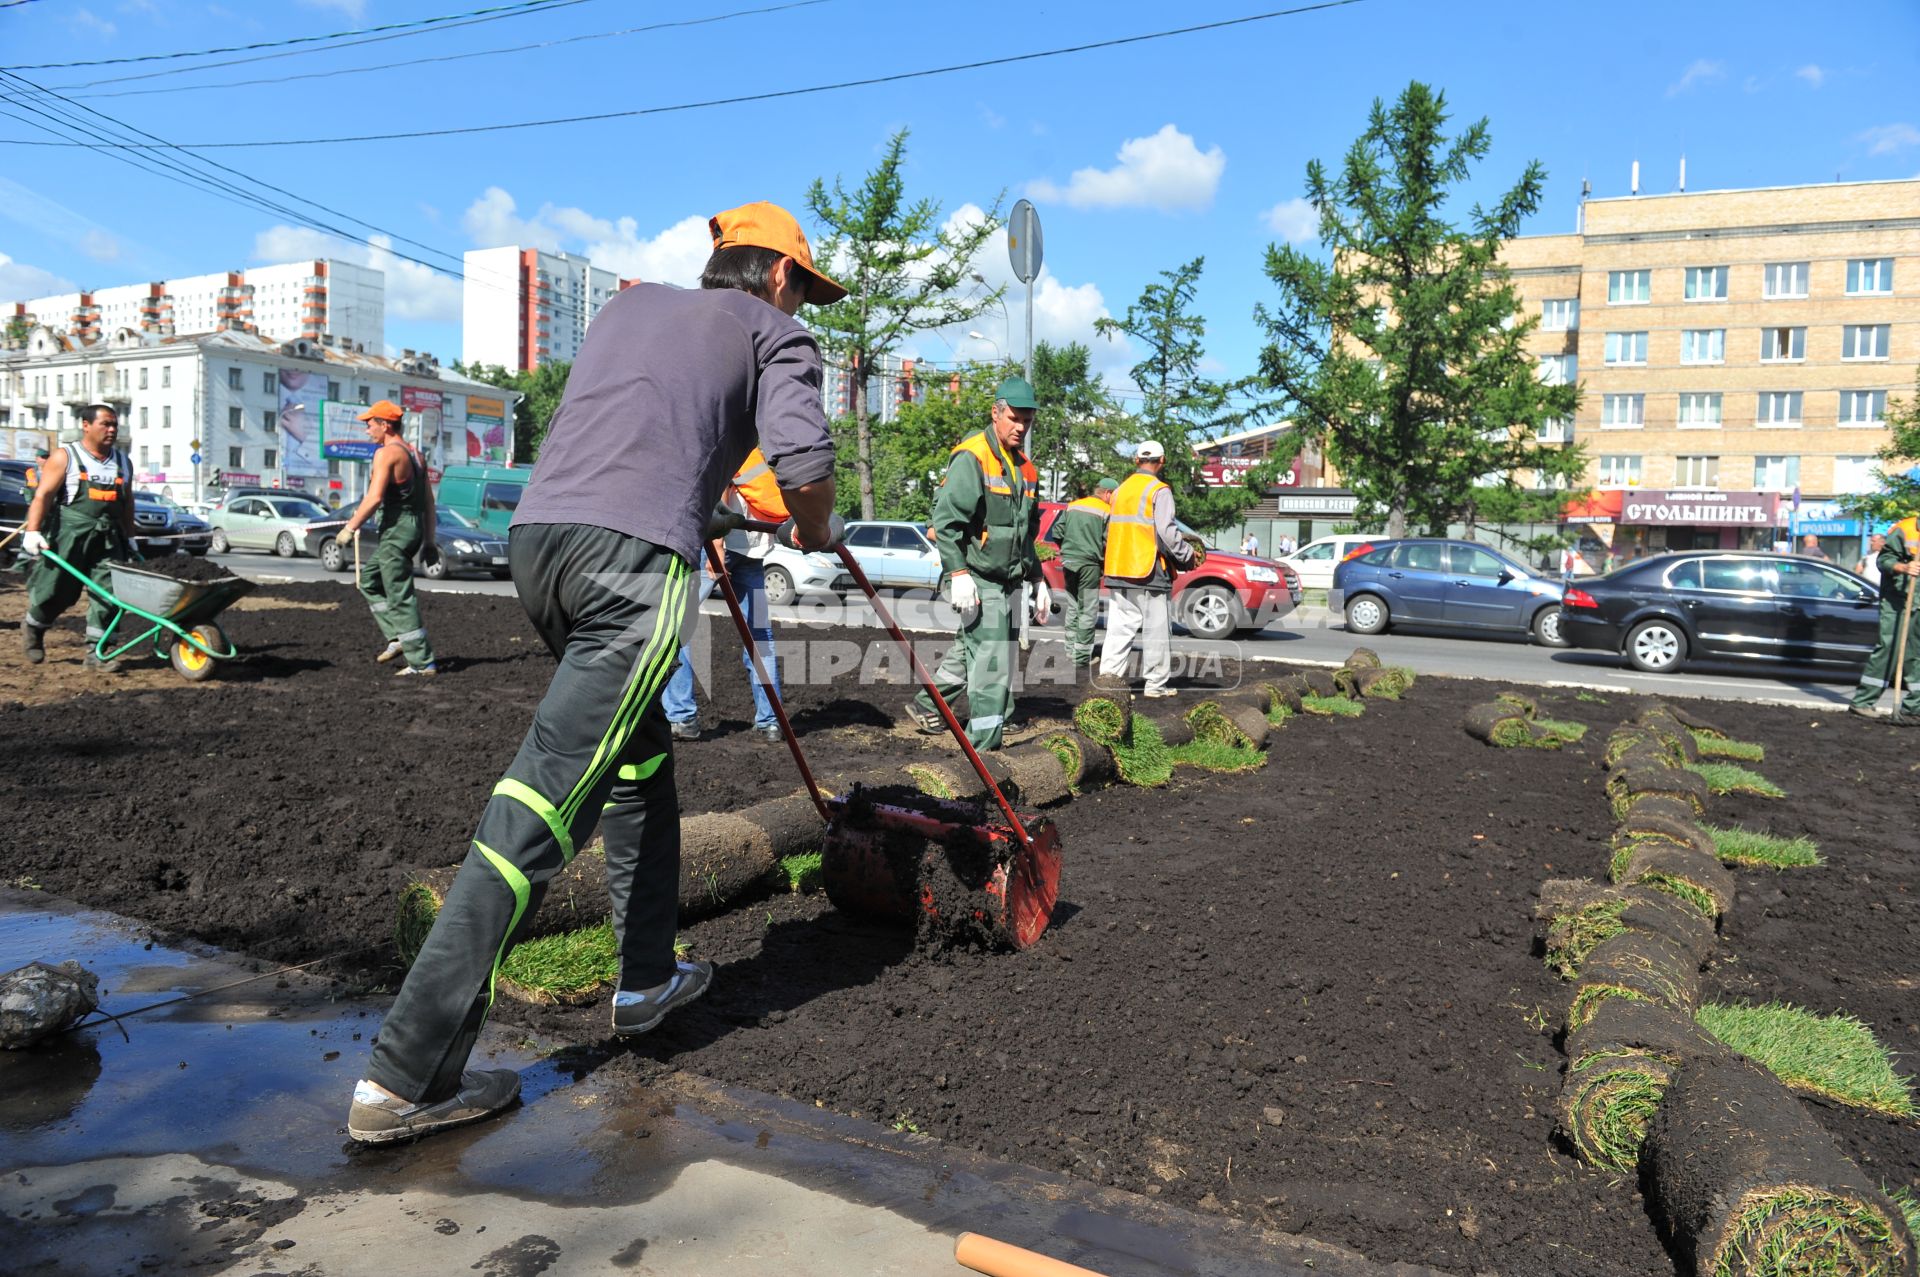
1227	595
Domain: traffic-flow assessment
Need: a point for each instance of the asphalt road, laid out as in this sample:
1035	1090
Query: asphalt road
1311	636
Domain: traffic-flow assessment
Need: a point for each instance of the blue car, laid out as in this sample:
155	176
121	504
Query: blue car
1445	584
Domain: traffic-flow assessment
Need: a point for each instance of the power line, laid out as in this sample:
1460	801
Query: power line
503	10
415	62
896	78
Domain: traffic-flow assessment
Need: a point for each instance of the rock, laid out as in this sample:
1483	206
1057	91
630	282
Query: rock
1273	1116
38	1000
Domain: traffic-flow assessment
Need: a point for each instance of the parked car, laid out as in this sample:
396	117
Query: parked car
227	496
1426	581
792	573
1228	594
162	526
1316	560
486	496
1662	611
463	547
14	500
895	555
275	523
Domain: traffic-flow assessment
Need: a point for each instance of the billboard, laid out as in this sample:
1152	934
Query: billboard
425	410
345	438
301	395
486	429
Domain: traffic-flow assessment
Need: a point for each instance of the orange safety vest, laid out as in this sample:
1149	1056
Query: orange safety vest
1090	505
1910	529
1133	547
758	488
990	467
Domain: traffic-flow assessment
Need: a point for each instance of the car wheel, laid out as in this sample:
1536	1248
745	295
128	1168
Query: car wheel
1658	647
436	570
780	591
285	546
332	557
218	543
1366	614
1208	611
1546	628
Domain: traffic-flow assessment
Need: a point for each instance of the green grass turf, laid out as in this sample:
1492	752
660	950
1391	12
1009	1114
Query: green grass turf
802	872
1147	761
1909	1208
1101	720
1616	1106
928	782
1681	889
418	909
1731	778
1591	996
1396	682
1835	1056
1218	756
1570	945
1745	847
1798	1232
1278	714
1210	723
569	965
1332	706
1712	746
1566	731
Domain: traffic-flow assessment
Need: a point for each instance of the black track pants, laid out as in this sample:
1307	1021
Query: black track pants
612	608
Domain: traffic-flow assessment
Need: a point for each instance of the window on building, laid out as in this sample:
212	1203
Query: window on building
166	416
1700	409
269	383
1776	474
143	416
1619	472
1785	279
1779	408
60	383
1863	407
233	379
1856	474
269	458
333	390
236	458
1703	346
236	418
1623	412
1559	370
1864	341
1779	345
166	376
166	455
1560	314
143	457
1696	472
1555	430
1706	283
268	418
1626	348
1869	275
1629	287
143	376
333	469
363	394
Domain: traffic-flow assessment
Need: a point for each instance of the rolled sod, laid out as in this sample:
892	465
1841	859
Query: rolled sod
1628	784
1661	722
1331	706
1145	760
1318	682
1640	968
1389	683
1563	730
1695	877
1745	1183
1281	695
1037	775
1654	814
1104	716
1628	741
1363	658
1346	683
954	777
1525	705
1833	1056
1174	730
1232	720
1499	723
1680	833
1618	1067
1580	913
1731	778
1086	762
1691	720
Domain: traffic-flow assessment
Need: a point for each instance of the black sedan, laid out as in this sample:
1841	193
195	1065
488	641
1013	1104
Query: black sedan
14	500
463	547
1724	605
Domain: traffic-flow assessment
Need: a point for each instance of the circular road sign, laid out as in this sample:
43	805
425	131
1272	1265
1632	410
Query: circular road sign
194	459
1023	241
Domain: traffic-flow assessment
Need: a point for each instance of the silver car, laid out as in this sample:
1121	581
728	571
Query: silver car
275	523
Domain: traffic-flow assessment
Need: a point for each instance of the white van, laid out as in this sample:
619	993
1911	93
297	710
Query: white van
1316	560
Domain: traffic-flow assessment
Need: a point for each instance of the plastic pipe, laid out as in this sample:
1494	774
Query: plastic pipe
998	1259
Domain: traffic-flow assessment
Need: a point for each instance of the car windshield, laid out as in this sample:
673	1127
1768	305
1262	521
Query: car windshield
298	510
159	499
452	518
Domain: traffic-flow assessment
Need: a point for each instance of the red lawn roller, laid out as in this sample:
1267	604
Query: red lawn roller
936	863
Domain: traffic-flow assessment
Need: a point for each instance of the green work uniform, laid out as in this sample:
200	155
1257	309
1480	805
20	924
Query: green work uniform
985	519
1877	677
88	535
386	580
1081	531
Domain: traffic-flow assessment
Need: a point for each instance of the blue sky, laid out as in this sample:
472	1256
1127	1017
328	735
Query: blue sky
1139	158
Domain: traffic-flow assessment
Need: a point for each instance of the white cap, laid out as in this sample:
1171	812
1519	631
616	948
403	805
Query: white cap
1149	451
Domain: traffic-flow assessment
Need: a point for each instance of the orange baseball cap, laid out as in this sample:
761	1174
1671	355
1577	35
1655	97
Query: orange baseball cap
765	225
385	410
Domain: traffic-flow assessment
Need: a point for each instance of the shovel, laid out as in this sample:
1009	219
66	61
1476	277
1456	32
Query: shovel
1900	648
884	859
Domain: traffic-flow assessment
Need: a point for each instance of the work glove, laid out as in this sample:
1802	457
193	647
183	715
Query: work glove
789	536
721	522
345	536
31	543
430	555
1042	603
962	592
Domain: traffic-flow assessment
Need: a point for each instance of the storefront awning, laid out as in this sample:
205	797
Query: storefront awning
1701	508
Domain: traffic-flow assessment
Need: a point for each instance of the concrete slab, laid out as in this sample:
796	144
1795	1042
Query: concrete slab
207	1135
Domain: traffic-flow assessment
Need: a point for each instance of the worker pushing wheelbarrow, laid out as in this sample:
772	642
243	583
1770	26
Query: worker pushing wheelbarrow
178	615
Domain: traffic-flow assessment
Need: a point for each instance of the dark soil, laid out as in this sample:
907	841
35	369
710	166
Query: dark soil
185	567
1307	996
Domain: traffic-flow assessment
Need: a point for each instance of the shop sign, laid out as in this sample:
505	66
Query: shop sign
1701	509
1323	503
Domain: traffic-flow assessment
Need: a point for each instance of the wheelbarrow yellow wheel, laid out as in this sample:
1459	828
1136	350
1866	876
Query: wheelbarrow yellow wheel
190	662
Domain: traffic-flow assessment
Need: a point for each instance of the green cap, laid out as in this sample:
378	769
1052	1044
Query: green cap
1106	485
1017	393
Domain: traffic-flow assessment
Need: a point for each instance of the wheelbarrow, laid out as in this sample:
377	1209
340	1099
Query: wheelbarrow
180	615
937	863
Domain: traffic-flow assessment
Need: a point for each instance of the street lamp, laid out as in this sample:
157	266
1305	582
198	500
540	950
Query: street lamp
1006	323
977	335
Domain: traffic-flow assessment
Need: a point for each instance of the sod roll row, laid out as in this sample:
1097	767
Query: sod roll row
1508	725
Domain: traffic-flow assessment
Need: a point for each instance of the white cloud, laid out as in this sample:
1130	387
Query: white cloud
88	23
100	245
413	291
1885	139
1294	220
674	256
1163	170
20	282
352	10
1702	71
1813	73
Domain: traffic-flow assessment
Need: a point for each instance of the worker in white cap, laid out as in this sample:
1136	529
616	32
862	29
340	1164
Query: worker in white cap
1144	550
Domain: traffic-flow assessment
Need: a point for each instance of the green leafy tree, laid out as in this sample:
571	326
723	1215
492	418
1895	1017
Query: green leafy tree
1403	352
540	393
1080	428
910	456
1899	494
17	331
1181	406
903	272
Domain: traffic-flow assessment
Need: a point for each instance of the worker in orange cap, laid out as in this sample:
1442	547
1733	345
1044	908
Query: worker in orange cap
400	492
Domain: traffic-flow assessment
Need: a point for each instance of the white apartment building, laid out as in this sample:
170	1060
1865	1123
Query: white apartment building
320	298
253	411
523	307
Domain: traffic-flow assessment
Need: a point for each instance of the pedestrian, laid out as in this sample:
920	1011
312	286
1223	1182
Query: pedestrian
84	498
1899	562
1143	545
1869	565
754	494
1810	547
985	519
664	402
402	495
1250	544
1081	531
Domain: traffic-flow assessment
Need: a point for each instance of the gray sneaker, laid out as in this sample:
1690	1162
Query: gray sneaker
98	666
1866	711
34	640
769	732
390	652
640	1011
429	670
687	729
926	721
483	1092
